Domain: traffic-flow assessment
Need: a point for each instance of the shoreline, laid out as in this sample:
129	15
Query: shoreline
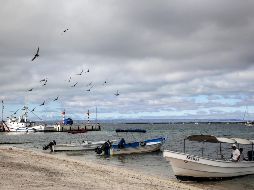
28	169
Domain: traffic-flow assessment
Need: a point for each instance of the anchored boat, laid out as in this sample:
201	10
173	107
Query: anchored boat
142	146
189	167
83	146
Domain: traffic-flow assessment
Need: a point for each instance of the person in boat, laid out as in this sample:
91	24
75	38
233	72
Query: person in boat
107	146
121	143
235	155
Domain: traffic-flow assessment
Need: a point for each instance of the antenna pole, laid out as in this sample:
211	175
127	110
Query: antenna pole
2	110
96	114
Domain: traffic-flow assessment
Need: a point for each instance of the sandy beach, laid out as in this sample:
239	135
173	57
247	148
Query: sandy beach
27	169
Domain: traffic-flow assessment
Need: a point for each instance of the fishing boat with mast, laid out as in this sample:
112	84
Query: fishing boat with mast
22	124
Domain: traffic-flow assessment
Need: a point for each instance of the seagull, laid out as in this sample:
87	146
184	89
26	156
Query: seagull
74	84
33	109
44	84
56	98
15	112
87	71
88	90
69	79
36	55
117	93
43	80
105	82
43	103
30	89
66	30
80	73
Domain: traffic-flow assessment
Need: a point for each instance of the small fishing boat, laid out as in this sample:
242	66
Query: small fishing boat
193	167
83	146
143	146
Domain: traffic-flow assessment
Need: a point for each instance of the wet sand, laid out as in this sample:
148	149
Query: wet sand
27	169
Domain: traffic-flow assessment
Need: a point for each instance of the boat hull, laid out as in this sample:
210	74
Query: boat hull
77	147
140	149
185	165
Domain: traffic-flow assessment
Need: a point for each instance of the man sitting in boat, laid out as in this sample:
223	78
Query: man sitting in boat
235	156
121	143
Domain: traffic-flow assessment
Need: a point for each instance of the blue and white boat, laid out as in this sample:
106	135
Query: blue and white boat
144	146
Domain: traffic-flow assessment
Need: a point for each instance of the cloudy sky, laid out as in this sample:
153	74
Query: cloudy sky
167	58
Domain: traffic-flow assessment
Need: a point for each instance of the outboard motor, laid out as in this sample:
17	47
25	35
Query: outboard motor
99	150
50	145
104	148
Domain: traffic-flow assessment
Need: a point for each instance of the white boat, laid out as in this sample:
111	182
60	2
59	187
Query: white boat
20	124
150	145
188	166
83	146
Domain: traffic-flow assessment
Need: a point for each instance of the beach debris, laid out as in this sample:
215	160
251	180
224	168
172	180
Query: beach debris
36	55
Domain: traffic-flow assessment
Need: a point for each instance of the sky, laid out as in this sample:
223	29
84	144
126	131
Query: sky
168	59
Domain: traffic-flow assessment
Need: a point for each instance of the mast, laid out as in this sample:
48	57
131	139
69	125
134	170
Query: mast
96	115
2	110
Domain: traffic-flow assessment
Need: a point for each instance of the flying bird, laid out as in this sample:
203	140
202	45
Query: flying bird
31	89
66	30
87	71
105	82
44	84
15	112
74	84
69	79
88	90
37	54
43	103
43	80
117	93
56	98
80	72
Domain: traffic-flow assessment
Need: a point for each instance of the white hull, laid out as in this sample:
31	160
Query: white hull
186	165
149	147
87	145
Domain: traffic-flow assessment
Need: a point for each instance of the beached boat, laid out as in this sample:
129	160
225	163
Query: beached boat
189	167
149	145
83	146
144	146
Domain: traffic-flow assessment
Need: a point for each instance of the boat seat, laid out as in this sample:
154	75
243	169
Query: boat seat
251	155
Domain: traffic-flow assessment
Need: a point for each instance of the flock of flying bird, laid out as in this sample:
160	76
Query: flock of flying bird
45	80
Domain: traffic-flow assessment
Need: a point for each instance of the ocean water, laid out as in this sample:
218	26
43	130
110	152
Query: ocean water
150	163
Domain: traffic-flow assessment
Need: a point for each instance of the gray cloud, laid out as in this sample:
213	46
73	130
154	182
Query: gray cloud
162	56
